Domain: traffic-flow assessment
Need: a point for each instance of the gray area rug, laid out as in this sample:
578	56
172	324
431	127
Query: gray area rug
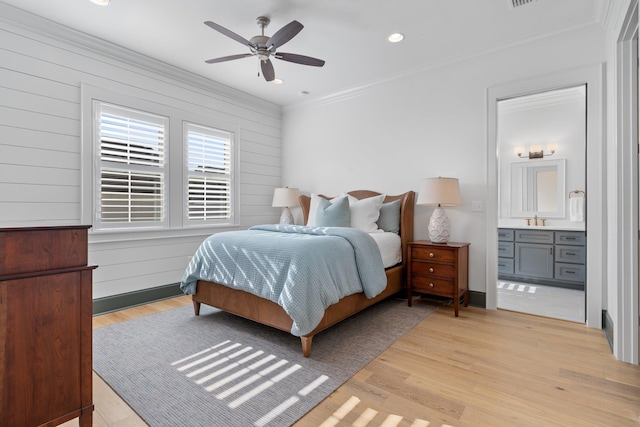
217	369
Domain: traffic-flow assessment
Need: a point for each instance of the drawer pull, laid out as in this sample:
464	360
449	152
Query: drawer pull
430	269
431	255
571	253
569	238
431	285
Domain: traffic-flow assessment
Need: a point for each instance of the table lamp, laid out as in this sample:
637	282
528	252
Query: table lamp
439	192
283	198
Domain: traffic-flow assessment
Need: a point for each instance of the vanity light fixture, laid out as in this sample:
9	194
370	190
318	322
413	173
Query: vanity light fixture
535	151
101	2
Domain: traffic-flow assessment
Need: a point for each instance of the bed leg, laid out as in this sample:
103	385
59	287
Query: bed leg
196	307
306	345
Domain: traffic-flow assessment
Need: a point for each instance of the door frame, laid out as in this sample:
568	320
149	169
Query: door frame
593	77
626	333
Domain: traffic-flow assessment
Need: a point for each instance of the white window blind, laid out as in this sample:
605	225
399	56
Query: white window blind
132	167
209	174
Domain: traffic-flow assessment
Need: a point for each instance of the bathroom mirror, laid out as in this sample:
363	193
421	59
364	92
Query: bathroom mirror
538	188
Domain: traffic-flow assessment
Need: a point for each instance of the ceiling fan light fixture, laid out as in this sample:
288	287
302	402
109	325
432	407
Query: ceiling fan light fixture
100	2
277	81
395	37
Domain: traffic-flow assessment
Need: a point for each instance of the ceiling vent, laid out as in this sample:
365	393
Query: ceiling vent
517	3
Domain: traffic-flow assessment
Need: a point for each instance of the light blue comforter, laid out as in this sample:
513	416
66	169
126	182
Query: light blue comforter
303	269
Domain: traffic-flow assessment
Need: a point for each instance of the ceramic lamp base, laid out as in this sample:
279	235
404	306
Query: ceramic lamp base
286	217
439	226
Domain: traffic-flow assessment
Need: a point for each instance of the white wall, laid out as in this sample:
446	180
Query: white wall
434	123
42	68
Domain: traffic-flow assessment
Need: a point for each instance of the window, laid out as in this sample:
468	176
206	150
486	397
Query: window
208	187
155	168
131	177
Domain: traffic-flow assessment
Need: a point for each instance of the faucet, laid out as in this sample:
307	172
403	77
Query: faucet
535	220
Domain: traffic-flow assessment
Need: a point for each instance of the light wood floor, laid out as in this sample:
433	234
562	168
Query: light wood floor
484	368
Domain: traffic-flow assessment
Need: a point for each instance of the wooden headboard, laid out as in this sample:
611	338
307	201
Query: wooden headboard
406	212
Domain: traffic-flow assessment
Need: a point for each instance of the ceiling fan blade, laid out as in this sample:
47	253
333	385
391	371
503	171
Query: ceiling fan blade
229	33
267	70
228	58
299	59
284	34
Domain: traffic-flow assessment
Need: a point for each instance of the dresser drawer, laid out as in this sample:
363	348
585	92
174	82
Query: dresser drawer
433	285
433	254
505	265
534	236
433	269
570	272
505	235
570	254
505	249
570	238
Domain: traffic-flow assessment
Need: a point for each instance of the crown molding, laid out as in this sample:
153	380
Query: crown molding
543	99
59	35
478	56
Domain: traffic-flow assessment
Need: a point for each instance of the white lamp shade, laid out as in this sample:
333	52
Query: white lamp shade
284	197
439	192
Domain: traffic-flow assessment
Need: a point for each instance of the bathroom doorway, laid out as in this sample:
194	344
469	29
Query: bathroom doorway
541	146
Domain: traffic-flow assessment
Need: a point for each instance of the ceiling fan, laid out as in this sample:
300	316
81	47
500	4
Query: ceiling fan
265	47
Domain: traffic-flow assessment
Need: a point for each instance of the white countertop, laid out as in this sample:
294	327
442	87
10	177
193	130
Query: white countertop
546	227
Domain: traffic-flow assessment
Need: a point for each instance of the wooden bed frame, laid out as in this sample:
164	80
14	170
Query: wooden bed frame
266	312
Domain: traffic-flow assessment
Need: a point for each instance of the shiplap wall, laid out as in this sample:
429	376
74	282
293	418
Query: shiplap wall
42	68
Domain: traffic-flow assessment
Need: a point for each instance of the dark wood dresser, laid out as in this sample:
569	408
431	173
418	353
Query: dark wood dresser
45	326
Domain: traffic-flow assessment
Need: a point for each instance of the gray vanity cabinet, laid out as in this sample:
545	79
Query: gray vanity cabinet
548	257
534	260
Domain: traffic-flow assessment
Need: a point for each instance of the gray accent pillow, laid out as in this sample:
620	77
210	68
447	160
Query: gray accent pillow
333	214
390	217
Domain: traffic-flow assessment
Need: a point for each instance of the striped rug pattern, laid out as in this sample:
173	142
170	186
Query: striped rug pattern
216	369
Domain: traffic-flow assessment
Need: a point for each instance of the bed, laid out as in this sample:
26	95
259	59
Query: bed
268	312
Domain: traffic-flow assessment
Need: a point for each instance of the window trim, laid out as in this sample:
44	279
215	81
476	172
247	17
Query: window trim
98	107
232	181
176	209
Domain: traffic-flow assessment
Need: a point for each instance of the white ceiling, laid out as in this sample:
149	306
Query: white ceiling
350	35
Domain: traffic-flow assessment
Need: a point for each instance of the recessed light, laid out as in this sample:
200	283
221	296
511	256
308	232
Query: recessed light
100	2
277	81
395	37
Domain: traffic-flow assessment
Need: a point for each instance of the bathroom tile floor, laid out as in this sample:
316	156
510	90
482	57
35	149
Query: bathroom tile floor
548	301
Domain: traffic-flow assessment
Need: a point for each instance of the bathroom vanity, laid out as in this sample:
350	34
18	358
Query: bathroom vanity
542	256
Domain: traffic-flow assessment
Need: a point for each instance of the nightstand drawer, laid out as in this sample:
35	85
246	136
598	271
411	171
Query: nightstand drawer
433	269
433	254
433	285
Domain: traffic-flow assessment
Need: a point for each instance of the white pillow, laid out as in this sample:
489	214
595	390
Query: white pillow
365	212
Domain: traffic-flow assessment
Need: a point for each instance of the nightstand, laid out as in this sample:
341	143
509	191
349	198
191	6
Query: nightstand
439	269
